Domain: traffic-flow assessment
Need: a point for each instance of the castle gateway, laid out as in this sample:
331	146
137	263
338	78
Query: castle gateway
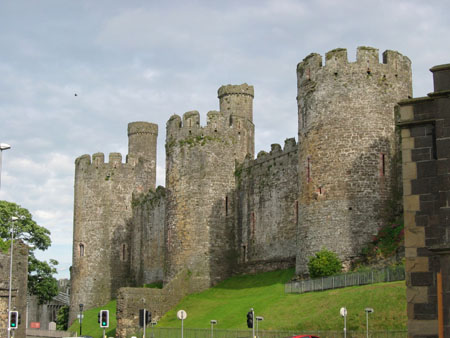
224	212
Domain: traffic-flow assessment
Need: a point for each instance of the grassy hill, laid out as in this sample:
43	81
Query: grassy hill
229	302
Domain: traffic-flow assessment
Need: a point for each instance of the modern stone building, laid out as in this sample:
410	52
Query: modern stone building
223	211
425	124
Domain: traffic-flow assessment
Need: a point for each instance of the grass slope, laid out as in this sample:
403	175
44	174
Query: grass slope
230	301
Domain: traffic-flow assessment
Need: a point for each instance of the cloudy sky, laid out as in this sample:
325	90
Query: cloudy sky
146	60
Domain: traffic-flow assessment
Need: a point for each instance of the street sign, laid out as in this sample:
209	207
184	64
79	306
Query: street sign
343	311
181	314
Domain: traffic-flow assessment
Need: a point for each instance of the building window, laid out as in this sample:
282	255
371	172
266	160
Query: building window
296	212
81	247
382	164
252	224
226	205
308	169
123	253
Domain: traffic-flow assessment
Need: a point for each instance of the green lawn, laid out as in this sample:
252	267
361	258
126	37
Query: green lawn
229	302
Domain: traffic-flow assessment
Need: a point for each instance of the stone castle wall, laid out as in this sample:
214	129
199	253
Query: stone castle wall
148	238
266	206
347	147
102	211
18	287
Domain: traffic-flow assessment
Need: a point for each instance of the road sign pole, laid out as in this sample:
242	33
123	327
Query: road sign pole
145	322
253	328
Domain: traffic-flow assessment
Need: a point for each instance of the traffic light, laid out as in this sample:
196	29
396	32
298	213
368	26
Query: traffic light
13	319
104	318
250	319
147	316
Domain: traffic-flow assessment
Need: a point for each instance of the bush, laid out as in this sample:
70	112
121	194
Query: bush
324	263
62	318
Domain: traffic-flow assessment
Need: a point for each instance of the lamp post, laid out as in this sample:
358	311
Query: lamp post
213	322
257	320
367	310
13	219
3	146
81	316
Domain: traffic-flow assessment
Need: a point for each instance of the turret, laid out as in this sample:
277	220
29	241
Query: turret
347	147
237	100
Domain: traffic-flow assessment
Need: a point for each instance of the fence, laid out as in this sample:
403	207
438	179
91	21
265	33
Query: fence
389	274
217	333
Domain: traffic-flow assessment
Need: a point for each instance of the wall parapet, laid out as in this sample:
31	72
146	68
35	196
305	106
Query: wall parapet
290	146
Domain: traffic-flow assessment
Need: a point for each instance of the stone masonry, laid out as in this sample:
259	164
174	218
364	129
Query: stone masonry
347	147
425	124
19	287
224	212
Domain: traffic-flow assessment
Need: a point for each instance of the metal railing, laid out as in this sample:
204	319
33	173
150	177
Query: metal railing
388	274
218	333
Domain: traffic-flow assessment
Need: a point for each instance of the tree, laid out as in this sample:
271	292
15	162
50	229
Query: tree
62	318
40	273
324	263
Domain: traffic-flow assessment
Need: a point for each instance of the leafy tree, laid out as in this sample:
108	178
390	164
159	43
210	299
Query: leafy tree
62	318
324	263
40	273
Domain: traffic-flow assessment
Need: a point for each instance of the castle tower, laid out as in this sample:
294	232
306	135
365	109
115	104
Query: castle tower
200	167
347	147
102	209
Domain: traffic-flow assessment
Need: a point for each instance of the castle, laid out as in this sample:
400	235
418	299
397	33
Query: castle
224	212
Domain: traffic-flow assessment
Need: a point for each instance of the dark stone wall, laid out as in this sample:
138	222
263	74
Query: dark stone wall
425	124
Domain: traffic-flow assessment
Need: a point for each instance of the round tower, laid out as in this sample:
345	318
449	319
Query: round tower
102	210
200	175
347	147
142	139
237	100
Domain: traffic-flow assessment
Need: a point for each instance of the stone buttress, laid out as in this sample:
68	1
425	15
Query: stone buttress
346	147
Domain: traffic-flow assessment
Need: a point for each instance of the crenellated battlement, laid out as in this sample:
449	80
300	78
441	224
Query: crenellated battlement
276	152
218	125
98	159
367	62
243	89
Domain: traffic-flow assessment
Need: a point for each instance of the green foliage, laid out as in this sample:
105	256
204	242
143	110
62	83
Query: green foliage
386	243
324	263
62	318
40	280
25	228
157	285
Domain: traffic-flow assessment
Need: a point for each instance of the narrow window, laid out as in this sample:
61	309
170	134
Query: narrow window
296	211
81	249
123	255
244	253
226	205
252	224
382	164
308	169
189	123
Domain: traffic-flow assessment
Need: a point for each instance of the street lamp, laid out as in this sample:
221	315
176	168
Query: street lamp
213	322
81	316
367	310
3	146
257	320
13	219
